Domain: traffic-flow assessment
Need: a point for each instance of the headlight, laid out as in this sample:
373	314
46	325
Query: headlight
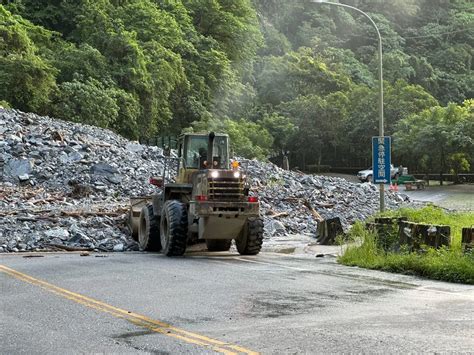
236	174
214	174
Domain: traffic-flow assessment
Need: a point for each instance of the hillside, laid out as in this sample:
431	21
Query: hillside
278	76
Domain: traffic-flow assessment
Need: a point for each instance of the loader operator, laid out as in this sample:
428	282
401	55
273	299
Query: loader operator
202	158
203	162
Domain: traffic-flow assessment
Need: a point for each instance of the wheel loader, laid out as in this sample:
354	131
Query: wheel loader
208	201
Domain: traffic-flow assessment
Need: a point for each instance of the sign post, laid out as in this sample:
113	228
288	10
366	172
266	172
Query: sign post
381	152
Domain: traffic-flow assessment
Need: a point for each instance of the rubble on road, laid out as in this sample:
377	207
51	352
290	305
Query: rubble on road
66	186
287	197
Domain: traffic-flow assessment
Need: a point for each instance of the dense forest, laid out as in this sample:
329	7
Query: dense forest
281	77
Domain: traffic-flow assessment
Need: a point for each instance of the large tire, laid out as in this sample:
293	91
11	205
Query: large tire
218	244
149	230
174	228
251	240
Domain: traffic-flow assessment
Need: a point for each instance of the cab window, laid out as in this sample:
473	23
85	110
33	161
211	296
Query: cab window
195	152
220	153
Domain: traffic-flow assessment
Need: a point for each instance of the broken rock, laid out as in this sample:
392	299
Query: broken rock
17	167
275	227
60	233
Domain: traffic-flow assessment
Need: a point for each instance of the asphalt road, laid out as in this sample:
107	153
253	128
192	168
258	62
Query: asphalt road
454	197
202	303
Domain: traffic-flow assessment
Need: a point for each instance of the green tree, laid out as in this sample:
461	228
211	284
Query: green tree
228	22
440	136
26	78
281	128
83	60
85	101
403	100
458	163
319	121
282	79
248	139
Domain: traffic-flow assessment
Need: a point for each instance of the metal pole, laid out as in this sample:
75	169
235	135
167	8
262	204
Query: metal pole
381	130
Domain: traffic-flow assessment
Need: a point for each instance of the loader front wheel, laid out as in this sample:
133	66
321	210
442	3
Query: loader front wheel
218	244
251	239
149	230
174	228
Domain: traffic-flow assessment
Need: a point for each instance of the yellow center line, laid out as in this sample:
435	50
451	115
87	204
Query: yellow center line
135	318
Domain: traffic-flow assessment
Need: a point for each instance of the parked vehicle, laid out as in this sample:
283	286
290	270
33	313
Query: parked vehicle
367	174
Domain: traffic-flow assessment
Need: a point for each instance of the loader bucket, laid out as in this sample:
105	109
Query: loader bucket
136	205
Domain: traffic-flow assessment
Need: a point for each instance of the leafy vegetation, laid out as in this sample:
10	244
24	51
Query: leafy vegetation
440	137
279	76
442	264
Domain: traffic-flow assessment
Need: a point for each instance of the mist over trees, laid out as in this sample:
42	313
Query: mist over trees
278	76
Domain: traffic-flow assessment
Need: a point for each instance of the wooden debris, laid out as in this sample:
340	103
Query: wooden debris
315	213
467	239
280	214
325	205
77	214
115	213
328	230
67	248
415	235
38	218
57	136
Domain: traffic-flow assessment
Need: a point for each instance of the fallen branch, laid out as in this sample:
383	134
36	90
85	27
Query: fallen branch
105	145
315	213
291	199
92	213
68	248
281	214
36	219
52	213
325	205
48	199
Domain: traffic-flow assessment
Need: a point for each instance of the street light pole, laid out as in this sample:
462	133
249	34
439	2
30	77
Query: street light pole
381	130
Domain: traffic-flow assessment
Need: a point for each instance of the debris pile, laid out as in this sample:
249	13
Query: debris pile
288	198
66	186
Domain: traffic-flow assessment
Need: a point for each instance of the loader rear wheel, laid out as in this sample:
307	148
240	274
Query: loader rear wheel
149	230
218	244
251	240
174	228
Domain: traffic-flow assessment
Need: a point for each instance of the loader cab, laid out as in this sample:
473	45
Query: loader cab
198	152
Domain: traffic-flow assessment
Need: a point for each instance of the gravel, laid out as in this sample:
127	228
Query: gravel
285	196
67	186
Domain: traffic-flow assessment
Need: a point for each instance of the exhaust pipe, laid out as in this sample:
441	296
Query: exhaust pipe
210	149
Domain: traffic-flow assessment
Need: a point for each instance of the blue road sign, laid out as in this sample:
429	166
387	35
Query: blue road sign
381	160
